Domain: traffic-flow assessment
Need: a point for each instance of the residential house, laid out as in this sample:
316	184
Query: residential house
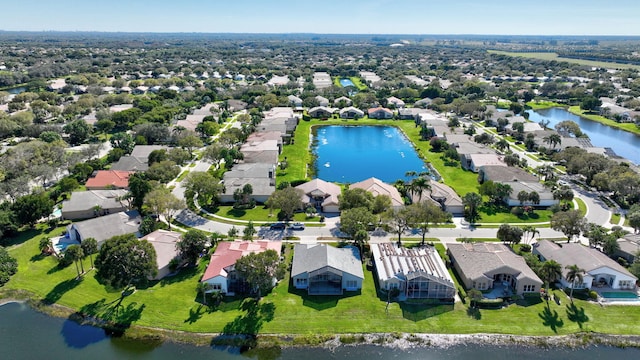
108	179
410	113
475	162
191	122
321	195
600	270
443	196
351	113
278	80
321	80
130	163
629	247
418	273
105	227
393	101
322	101
93	203
500	174
370	77
326	270
264	151
266	135
294	101
380	113
321	112
164	243
221	275
378	187
546	196
261	177
484	266
342	101
423	103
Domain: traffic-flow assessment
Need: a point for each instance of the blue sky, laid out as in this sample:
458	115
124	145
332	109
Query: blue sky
508	17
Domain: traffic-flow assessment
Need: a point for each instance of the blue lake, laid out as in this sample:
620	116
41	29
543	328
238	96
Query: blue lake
27	334
623	143
348	154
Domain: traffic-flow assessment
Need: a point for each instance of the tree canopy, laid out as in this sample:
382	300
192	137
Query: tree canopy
124	260
260	270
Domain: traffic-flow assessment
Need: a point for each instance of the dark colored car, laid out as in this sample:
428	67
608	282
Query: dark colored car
277	226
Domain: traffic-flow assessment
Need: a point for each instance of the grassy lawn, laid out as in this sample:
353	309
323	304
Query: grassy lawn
489	215
630	127
554	56
615	219
172	304
258	214
542	104
582	207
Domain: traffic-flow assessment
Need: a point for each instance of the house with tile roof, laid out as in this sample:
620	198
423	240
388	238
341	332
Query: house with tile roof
321	194
395	102
109	179
380	113
443	196
321	269
483	266
221	274
600	270
418	273
378	187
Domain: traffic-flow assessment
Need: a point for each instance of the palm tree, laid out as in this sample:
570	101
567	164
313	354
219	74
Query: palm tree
553	140
530	232
89	247
45	246
202	288
418	185
502	145
75	253
550	271
472	202
574	275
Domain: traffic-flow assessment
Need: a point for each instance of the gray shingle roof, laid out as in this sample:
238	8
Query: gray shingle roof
105	227
310	257
586	258
83	200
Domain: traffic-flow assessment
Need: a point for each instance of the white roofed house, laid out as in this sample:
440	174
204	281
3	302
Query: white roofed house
322	101
321	112
395	102
321	269
294	101
418	273
351	113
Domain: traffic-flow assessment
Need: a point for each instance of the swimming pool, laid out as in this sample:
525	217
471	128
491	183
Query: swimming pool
347	82
620	296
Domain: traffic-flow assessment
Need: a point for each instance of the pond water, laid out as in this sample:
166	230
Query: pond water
623	143
27	334
348	154
17	90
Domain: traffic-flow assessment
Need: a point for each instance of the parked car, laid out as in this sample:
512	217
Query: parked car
297	226
277	226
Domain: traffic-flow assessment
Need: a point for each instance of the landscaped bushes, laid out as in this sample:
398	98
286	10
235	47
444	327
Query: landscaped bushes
490	303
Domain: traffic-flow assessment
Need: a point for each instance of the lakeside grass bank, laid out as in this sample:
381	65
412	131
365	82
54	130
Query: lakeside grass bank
173	305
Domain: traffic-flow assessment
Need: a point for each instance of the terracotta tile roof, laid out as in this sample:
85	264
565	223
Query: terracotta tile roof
109	179
228	252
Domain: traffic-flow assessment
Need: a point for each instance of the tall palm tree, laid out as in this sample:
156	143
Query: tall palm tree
75	253
574	275
89	247
530	233
502	145
418	185
550	271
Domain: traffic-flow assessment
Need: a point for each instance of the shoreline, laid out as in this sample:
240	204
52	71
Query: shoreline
400	341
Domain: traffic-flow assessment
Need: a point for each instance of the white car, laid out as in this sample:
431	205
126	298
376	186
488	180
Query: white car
297	226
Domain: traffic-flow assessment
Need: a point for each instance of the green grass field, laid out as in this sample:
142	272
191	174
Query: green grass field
630	127
173	304
553	56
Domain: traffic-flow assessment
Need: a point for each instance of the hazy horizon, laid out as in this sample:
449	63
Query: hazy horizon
357	17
